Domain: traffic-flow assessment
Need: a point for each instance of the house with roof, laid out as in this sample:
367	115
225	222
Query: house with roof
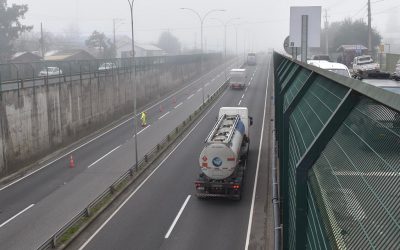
68	55
124	48
25	57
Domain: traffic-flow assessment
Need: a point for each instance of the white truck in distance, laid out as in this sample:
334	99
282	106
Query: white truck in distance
223	159
237	78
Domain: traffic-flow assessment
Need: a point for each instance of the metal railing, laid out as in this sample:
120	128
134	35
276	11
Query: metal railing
20	75
339	159
71	229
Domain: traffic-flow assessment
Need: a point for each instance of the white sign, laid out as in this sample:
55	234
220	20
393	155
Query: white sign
314	25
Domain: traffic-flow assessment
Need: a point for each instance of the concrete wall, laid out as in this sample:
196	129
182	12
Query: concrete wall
37	121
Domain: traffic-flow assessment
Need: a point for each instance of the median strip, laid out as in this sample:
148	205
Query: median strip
64	236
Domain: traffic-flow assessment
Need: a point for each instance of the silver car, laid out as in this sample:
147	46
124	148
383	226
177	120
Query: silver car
50	71
396	74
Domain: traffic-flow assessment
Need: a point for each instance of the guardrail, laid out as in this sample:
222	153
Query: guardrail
27	74
69	231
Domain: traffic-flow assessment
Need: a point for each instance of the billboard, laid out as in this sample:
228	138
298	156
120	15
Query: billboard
314	25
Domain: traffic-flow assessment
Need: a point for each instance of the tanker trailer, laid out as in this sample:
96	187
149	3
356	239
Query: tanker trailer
223	158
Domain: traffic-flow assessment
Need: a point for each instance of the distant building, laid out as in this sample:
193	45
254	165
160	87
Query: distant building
68	55
348	52
25	57
124	48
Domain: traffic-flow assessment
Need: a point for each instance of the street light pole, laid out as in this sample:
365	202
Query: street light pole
201	34
134	87
225	25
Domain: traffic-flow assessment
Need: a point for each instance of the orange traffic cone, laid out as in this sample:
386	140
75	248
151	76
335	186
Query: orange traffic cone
71	162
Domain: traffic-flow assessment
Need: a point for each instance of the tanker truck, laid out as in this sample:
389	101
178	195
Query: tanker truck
223	158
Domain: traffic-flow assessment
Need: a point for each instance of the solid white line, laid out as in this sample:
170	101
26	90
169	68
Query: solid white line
148	126
258	164
163	115
190	96
111	129
104	156
239	102
148	177
177	217
178	105
7	221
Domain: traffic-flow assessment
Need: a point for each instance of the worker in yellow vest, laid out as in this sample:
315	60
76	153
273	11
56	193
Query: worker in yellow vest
143	118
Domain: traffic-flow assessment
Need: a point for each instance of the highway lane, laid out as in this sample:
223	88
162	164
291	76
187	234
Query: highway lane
163	212
46	185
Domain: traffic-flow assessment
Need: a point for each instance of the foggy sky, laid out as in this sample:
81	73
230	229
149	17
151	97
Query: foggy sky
262	24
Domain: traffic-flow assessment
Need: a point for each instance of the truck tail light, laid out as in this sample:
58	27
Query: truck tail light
236	186
204	165
198	184
231	159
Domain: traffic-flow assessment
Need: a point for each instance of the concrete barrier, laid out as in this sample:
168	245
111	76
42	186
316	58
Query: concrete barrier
37	121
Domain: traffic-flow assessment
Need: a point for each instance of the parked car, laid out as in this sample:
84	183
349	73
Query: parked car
396	74
107	66
50	71
337	68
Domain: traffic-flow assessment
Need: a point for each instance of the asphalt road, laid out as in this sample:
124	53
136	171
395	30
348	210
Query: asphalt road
163	212
36	206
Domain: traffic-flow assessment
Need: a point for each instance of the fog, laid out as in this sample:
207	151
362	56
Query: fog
262	23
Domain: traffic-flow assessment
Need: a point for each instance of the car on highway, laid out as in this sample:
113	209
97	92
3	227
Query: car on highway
107	66
396	74
50	71
337	68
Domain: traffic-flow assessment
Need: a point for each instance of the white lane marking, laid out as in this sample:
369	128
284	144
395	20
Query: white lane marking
163	115
199	90
148	126
15	216
205	85
148	177
242	96
104	156
177	217
239	102
178	105
108	131
190	96
258	165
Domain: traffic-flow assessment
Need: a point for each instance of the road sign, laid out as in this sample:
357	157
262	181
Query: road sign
289	49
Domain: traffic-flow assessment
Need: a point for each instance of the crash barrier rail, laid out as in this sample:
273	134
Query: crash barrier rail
20	75
77	224
339	159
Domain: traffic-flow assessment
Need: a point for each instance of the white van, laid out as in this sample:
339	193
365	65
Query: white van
337	68
237	78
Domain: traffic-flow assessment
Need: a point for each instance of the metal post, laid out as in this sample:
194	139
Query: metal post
202	19
134	87
304	38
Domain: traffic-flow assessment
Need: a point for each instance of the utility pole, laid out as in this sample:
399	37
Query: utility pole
42	40
326	33
369	28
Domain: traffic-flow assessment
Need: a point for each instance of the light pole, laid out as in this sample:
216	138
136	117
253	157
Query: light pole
201	33
225	25
134	86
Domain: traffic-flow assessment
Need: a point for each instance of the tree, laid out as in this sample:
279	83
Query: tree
349	32
99	41
10	27
169	43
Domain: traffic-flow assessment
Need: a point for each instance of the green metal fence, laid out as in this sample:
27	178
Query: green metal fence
339	155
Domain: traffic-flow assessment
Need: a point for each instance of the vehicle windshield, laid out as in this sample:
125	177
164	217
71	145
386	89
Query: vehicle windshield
365	60
342	72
